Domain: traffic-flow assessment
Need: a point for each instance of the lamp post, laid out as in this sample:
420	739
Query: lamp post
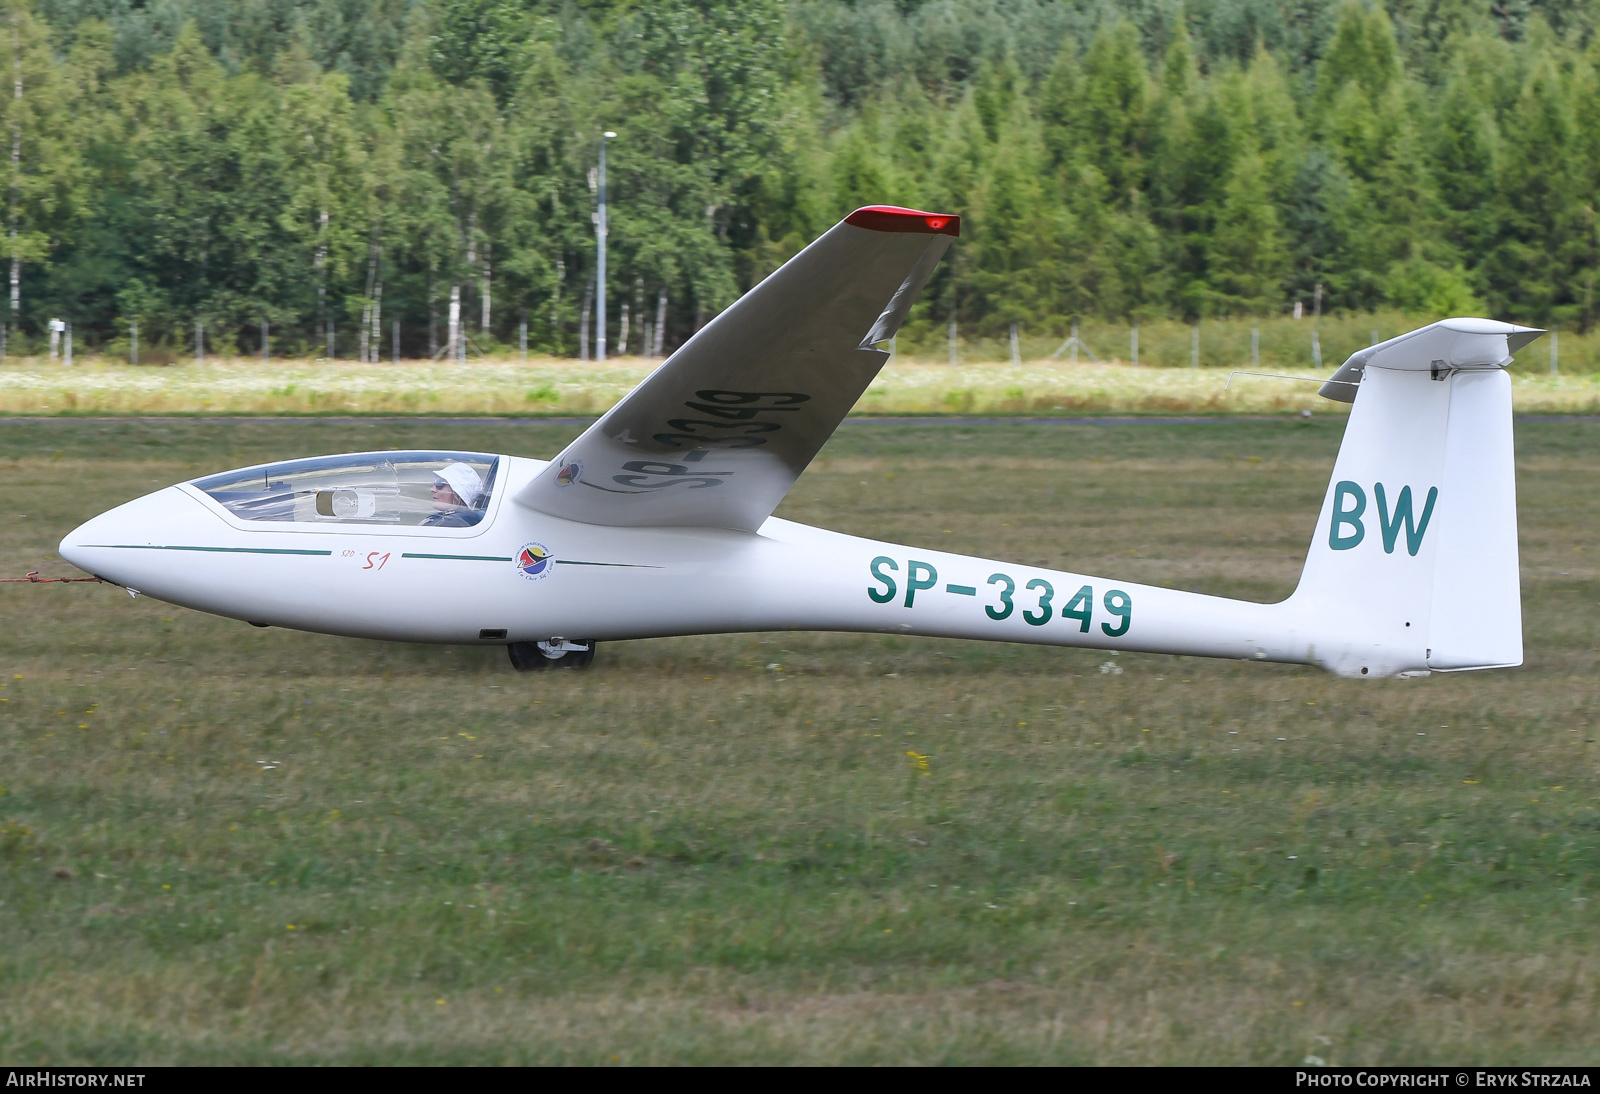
600	265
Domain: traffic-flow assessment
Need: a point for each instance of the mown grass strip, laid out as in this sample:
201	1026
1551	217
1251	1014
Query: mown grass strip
222	844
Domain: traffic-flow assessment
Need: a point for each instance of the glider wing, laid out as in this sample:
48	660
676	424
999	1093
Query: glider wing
715	437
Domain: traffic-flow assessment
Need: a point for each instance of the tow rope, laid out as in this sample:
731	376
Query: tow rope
33	578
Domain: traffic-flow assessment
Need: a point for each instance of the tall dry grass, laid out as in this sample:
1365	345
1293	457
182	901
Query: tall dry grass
557	386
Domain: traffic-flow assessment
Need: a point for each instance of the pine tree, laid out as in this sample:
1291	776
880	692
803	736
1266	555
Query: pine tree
1017	273
1278	132
1061	121
1431	30
860	177
1115	93
1317	217
1463	146
1543	230
1170	137
1363	52
1246	256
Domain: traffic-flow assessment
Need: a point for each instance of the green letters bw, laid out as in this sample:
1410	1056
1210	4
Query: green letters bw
877	572
1402	511
1351	516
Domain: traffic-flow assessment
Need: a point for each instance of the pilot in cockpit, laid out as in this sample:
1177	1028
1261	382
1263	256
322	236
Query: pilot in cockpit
456	490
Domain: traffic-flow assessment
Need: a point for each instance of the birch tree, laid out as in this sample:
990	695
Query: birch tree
328	206
452	188
44	180
181	181
538	233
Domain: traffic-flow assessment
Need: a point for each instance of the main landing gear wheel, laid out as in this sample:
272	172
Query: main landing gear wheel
556	653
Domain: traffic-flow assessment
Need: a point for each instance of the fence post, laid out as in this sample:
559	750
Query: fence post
583	323
133	342
68	361
266	342
1316	321
1016	351
1194	345
952	341
199	342
1135	342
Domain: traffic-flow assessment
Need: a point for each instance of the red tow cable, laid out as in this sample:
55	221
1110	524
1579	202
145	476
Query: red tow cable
33	578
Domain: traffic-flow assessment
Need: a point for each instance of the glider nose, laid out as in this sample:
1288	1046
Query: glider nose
106	545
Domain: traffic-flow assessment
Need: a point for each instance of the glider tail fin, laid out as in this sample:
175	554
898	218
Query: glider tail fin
1413	566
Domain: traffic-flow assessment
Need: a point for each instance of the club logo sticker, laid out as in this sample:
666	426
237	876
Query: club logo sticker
570	473
535	561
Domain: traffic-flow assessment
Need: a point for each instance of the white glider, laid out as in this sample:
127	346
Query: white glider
657	520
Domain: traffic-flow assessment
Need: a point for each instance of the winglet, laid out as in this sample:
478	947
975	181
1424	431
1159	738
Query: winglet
892	218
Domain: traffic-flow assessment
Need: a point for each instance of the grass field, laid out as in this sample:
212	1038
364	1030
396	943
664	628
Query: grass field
558	386
221	844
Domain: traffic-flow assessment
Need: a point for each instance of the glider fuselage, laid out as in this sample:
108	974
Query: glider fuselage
475	585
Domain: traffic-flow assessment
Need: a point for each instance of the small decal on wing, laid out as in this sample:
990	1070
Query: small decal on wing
570	472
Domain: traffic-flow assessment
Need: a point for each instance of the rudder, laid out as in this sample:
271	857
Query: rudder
1476	620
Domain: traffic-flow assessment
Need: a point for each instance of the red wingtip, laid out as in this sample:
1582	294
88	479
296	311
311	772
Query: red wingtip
892	218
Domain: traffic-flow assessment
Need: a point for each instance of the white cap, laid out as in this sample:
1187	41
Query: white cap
464	481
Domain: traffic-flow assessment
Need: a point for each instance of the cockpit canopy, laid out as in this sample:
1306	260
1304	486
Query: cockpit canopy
394	489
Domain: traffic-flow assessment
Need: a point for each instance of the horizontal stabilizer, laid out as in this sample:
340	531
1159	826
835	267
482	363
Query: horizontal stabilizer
1450	345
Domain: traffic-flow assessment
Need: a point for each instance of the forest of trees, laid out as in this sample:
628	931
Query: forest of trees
324	169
